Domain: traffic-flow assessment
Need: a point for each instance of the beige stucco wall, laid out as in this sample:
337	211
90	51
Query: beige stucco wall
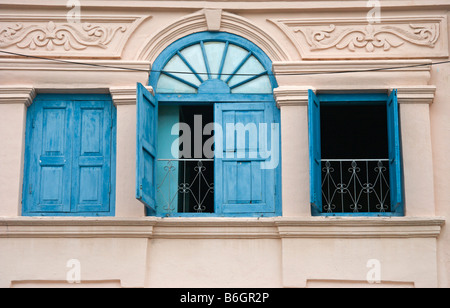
131	250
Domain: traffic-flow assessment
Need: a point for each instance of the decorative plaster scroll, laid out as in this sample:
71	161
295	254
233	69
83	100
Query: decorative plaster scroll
100	37
401	37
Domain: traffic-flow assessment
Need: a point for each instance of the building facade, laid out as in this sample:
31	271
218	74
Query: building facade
224	143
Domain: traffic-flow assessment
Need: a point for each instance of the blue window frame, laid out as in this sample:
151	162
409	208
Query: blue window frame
70	156
362	133
229	77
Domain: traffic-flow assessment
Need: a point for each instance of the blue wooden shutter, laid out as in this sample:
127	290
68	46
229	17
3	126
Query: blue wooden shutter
91	170
242	185
315	154
395	157
49	153
147	125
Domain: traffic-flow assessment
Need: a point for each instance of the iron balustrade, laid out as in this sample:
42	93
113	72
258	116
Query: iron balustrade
355	186
187	185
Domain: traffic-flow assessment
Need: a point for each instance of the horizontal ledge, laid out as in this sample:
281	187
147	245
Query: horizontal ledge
349	66
17	95
290	5
221	228
75	65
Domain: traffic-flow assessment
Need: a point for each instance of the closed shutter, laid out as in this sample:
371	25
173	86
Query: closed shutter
69	156
49	173
92	156
244	180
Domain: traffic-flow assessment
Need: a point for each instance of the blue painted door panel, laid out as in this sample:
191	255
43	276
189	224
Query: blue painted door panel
242	184
91	157
69	156
315	153
395	156
147	132
52	158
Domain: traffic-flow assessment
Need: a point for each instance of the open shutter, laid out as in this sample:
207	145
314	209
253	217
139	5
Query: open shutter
315	154
48	182
395	157
91	175
147	125
245	183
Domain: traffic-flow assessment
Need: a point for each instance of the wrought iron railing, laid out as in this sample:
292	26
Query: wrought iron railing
355	186
186	185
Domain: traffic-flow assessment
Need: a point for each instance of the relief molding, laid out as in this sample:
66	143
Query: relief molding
99	37
211	20
400	37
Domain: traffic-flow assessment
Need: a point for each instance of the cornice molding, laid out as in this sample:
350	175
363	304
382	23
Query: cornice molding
49	75
17	95
415	95
221	228
292	96
125	95
76	66
353	74
256	5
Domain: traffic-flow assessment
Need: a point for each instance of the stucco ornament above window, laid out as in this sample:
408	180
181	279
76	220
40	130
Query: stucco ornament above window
402	37
70	36
56	36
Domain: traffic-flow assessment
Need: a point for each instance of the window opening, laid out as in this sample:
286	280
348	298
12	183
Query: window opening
355	164
185	174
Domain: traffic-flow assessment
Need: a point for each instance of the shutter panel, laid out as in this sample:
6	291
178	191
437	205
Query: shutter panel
315	154
242	184
91	173
50	158
147	125
395	157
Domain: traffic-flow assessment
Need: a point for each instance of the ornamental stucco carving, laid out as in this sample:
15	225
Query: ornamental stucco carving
356	38
93	37
71	36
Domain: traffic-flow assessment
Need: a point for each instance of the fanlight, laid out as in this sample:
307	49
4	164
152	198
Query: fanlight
212	67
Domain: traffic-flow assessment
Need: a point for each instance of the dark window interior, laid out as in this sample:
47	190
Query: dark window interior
359	133
354	132
198	175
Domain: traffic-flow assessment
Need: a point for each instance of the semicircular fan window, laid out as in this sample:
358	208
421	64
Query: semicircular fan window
214	68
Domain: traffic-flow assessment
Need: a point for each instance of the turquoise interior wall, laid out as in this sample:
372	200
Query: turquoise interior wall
167	181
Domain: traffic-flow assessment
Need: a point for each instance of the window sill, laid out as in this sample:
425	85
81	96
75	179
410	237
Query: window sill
222	228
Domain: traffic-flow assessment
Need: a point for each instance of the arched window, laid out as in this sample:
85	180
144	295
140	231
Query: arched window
213	63
214	66
209	140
